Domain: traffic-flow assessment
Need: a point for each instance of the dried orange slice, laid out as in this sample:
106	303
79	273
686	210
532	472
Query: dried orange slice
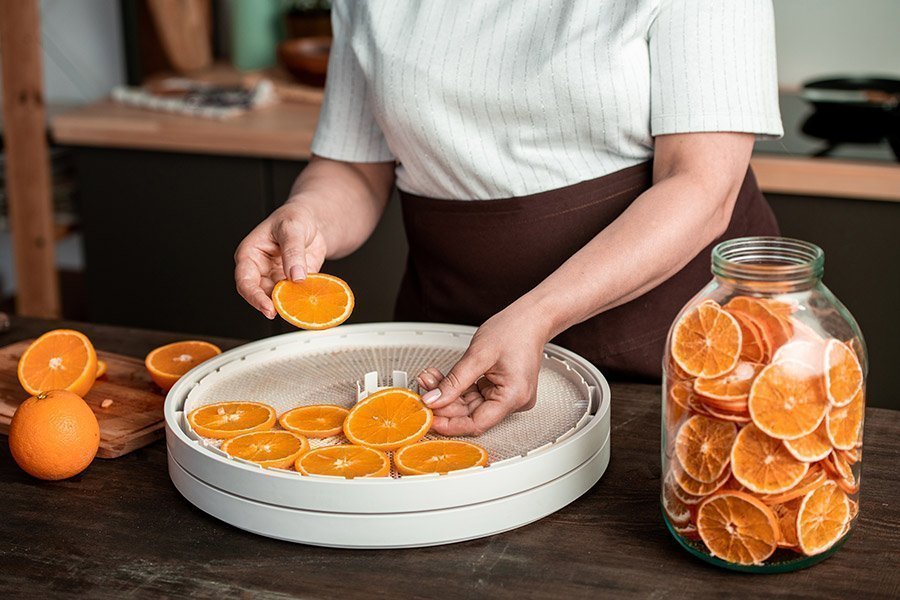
62	359
844	424
778	329
738	528
692	487
753	348
814	478
762	464
703	447
315	420
734	385
168	363
812	447
439	456
230	419
345	461
270	449
740	418
388	419
823	517
706	341
809	353
678	512
787	400
851	456
843	374
678	403
842	473
787	522
102	368
318	302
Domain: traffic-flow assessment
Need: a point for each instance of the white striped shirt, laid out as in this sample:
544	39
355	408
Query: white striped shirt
481	99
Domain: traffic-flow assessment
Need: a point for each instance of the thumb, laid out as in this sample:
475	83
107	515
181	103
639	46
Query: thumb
464	373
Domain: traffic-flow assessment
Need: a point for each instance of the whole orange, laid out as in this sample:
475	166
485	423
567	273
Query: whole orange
54	435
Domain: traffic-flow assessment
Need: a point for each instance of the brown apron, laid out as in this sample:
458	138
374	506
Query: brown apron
470	259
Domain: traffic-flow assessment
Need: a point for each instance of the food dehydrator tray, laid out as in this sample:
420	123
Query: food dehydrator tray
540	460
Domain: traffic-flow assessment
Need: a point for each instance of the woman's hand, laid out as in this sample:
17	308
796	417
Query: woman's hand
496	376
288	244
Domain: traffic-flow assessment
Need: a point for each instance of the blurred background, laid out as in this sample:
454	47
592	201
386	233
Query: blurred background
175	126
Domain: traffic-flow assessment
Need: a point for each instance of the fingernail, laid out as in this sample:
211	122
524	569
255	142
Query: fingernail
297	273
431	397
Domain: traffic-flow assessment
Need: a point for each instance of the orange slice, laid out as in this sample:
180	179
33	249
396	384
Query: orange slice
824	514
842	473
678	512
734	385
814	478
678	403
778	329
787	522
851	456
318	302
315	421
753	348
738	528
844	424
706	341
230	419
692	487
270	449
843	374
102	368
388	419
812	447
168	363
703	447
787	400
345	461
62	359
762	464
439	456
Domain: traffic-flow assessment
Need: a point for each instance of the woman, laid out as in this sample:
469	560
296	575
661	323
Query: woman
564	169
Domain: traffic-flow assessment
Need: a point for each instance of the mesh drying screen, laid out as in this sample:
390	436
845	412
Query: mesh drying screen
330	377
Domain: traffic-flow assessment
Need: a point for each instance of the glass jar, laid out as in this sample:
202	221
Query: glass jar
763	403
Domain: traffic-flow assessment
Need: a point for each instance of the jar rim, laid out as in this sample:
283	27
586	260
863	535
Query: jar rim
768	259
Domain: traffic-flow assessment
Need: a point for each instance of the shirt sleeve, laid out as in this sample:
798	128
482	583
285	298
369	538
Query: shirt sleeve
347	128
713	68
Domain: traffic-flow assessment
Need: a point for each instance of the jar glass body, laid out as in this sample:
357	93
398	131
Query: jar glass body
762	412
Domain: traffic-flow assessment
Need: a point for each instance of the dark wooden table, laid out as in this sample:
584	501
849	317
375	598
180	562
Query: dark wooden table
121	530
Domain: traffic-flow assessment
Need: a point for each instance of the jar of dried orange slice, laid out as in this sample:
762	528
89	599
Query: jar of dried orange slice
763	401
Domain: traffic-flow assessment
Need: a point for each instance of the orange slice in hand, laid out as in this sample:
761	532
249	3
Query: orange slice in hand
61	359
843	374
824	514
703	447
844	424
318	302
810	448
168	363
738	528
439	456
345	461
787	400
315	421
230	419
762	464
734	385
388	419
706	341
271	449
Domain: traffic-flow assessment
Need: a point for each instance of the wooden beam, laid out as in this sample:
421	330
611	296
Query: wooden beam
27	159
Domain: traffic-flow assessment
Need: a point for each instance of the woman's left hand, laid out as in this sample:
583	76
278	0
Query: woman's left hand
496	376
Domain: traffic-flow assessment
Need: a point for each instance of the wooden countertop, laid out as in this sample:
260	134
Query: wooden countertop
286	130
121	529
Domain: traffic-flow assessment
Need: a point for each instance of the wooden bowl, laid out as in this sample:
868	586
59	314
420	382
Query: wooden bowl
306	58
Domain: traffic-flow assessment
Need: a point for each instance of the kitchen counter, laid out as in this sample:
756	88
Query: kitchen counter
120	529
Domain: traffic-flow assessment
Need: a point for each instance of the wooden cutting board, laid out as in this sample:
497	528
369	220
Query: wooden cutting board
133	420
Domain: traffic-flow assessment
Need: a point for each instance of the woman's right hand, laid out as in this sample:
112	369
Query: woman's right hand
288	244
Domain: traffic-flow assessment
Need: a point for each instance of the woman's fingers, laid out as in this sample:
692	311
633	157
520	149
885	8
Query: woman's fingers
464	374
485	415
429	378
248	278
290	235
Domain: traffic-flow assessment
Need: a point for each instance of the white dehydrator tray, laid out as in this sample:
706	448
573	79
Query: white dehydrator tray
540	460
